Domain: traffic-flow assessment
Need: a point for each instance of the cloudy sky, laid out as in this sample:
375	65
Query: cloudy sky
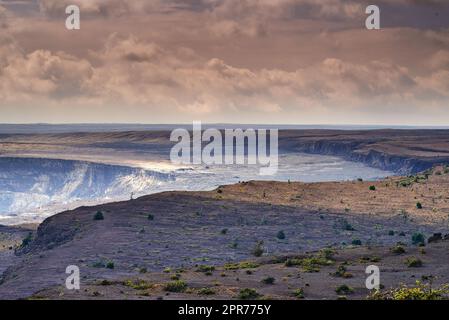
247	61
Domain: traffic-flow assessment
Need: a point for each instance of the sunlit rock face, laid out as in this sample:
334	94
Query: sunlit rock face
28	184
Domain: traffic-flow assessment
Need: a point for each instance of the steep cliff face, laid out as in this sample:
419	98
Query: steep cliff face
28	183
351	150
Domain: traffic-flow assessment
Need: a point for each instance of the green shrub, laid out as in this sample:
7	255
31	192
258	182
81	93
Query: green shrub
27	240
418	292
299	293
418	238
268	280
413	262
372	188
176	286
150	217
391	233
344	289
342	272
98	216
224	231
110	265
258	249
280	235
248	294
205	268
206	291
347	226
138	284
418	205
398	249
241	265
356	242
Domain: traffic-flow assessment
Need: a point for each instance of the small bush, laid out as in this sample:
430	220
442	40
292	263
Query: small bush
280	235
398	249
248	294
418	205
241	265
344	289
176	286
299	293
138	284
150	217
372	188
206	291
413	262
258	249
224	231
268	280
27	240
418	292
418	238
356	242
98	216
391	233
347	226
110	265
205	268
176	276
342	273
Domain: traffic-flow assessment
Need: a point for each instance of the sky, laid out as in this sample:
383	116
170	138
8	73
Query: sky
225	61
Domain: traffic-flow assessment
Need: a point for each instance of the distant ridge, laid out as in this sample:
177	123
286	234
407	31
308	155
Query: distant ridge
47	128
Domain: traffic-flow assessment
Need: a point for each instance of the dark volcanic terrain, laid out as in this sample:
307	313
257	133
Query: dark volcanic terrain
156	239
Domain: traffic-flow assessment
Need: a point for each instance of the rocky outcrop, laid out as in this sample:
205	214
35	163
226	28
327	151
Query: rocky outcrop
351	150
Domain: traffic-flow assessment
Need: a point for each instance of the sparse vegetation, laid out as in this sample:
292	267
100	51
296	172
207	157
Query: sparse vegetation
342	272
299	293
419	205
312	263
268	280
258	249
176	286
419	291
138	284
344	290
248	294
241	265
346	225
27	240
413	262
206	292
205	268
398	249
98	216
418	238
280	235
372	188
